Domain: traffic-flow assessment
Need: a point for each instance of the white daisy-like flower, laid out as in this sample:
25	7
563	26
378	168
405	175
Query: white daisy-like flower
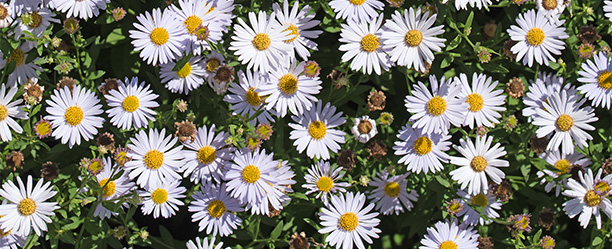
462	4
597	76
186	79
484	101
263	46
422	151
282	179
160	38
323	179
552	8
289	88
608	9
356	10
203	244
23	70
391	194
9	239
6	15
449	235
478	161
206	156
19	6
215	210
363	45
83	9
545	85
588	198
210	64
162	198
245	98
434	111
537	38
364	129
348	221
131	105
314	130
224	9
487	201
9	111
153	158
299	23
411	38
113	187
28	208
35	21
563	163
567	120
249	176
198	19
74	114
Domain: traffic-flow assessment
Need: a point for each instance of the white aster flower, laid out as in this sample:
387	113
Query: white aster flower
537	38
364	129
210	64
422	151
299	23
391	194
314	130
186	79
224	9
162	198
449	235
113	187
74	114
9	239
18	6
275	200
153	158
160	38
131	105
83	9
23	70
356	10
200	24
203	244
462	4
206	156
9	111
411	38
552	9
487	201
589	198
6	15
348	221
478	161
597	76
545	85
249	178
245	98
215	210
323	179
28	208
608	9
484	101
363	45
563	163
35	21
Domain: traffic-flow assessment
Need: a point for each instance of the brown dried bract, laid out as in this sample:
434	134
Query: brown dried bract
185	130
376	100
377	149
515	88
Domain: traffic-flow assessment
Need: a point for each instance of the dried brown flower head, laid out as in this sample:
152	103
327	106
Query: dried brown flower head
33	92
507	49
185	130
108	85
538	145
502	191
67	82
376	100
607	166
273	212
377	149
547	218
14	160
515	88
299	241
49	171
485	243
347	159
588	34
106	142
489	29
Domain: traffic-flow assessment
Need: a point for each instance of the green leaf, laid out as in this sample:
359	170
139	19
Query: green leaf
596	241
277	230
468	22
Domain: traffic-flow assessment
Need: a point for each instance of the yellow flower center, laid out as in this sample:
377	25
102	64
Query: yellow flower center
317	130
109	189
43	128
602	187
294	32
364	127
216	208
478	163
480	200
35	20
436	106
206	155
252	97
564	122
592	199
548	242
392	189
131	103
288	84
448	245
522	223
212	64
122	158
3	112
348	221
73	115
192	23
3	14
476	102
369	43
357	2
95	166
261	41
455	207
422	145
154	159
17	56
562	165
250	174
549	4
26	207
604	80
159	36
159	196
535	36
413	38
185	71
325	183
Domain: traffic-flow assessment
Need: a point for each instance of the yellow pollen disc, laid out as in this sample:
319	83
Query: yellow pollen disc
159	196
325	183
216	208
35	21
159	36
602	187
288	84
42	129
392	189
252	97
17	56
192	23
422	145
549	4
261	41
370	43
317	130
562	165
206	155
348	221
26	207
357	2
131	103
592	199
455	207
523	223
3	14
212	64
364	127
3	112
604	80
109	190
436	106
413	38
294	32
95	166
185	71
448	245
154	159
73	115
476	102
478	163
564	122
535	36
250	174
121	158
548	243
480	200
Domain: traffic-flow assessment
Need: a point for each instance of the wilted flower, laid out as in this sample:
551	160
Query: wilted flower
49	171
588	34
264	131
502	191
66	82
519	222
14	160
32	92
118	14
376	100
377	149
538	145
108	85
425	71
185	130
299	241
515	88
607	166
181	105
106	143
386	118
273	211
334	76
454	206
547	218
71	25
507	49
485	243
347	159
490	28
586	50
312	69
547	242
224	75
